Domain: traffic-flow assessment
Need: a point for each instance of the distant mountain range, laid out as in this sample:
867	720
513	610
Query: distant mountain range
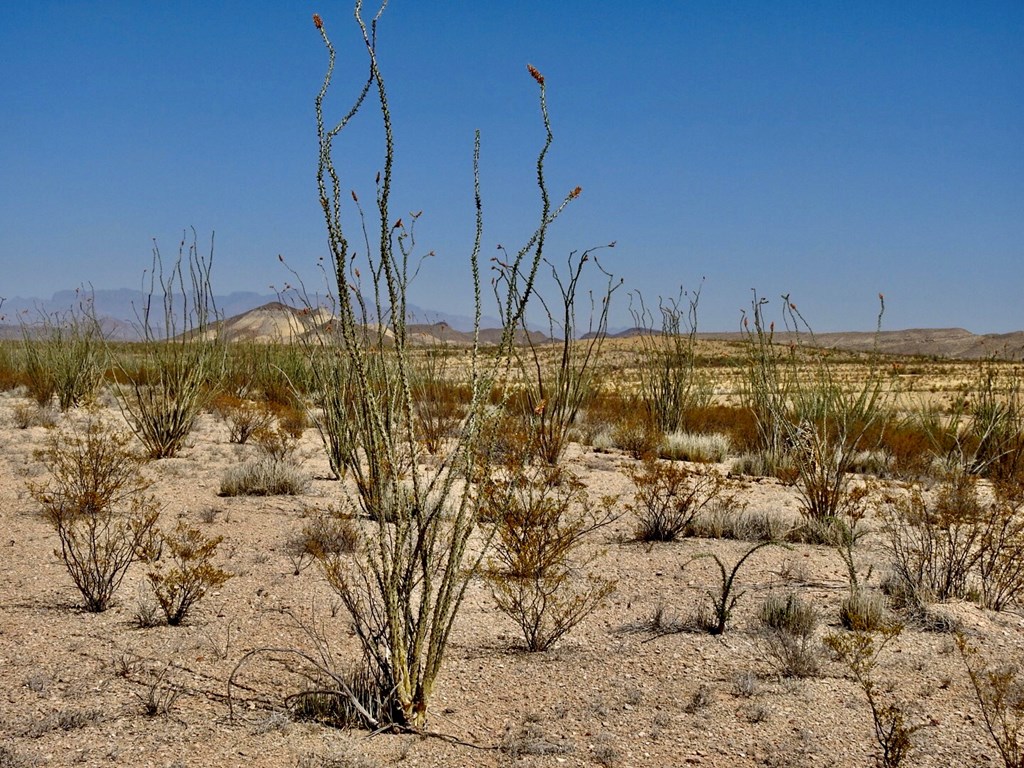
119	310
257	317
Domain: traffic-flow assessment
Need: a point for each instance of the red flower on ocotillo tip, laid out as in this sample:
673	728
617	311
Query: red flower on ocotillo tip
535	74
317	21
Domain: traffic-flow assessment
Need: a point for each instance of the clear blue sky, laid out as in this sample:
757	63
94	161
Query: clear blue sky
830	150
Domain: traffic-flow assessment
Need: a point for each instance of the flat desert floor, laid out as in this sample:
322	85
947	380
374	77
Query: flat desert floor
75	685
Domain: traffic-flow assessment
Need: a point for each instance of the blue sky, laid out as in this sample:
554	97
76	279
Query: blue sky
827	150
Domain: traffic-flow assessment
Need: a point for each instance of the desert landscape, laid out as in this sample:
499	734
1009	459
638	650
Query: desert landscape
642	677
335	531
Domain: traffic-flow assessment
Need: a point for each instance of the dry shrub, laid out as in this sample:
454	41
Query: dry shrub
440	406
96	501
955	545
604	409
737	422
179	584
789	623
542	515
291	417
243	417
637	434
31	414
859	653
669	496
909	447
999	690
324	536
1000	563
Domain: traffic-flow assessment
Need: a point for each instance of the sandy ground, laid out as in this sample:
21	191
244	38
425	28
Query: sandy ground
74	684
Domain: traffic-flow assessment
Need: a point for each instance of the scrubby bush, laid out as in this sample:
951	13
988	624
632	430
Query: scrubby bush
859	652
324	536
243	417
542	515
669	496
999	689
935	543
96	501
182	570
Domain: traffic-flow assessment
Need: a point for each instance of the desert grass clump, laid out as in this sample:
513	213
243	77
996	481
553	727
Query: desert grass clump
864	611
788	624
12	374
728	518
264	476
669	496
542	516
96	501
335	401
182	570
322	701
859	652
273	472
163	395
696	447
999	690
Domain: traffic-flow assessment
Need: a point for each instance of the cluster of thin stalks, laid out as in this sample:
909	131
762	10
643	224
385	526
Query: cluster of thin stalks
162	397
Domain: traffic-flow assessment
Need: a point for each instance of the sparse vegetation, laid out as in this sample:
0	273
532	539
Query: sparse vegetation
474	515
